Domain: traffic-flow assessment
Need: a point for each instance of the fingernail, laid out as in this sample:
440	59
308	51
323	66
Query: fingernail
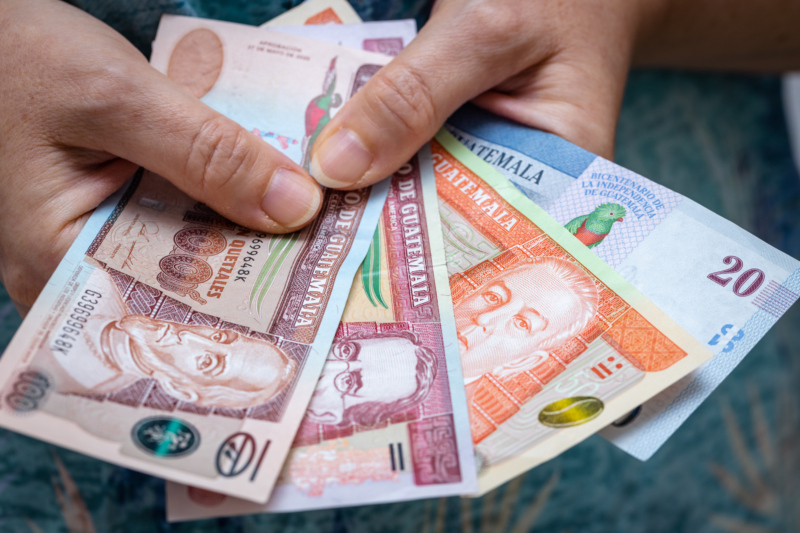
291	198
342	160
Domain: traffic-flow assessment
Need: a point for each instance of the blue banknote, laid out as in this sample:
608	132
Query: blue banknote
720	283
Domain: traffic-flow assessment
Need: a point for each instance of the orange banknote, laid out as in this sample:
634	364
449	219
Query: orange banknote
554	344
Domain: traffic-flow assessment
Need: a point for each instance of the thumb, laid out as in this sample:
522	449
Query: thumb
146	118
408	100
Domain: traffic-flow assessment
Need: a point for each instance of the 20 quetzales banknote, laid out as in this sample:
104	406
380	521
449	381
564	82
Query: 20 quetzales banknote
174	342
554	343
717	281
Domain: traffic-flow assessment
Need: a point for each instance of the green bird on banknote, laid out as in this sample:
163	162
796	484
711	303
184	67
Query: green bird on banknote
591	229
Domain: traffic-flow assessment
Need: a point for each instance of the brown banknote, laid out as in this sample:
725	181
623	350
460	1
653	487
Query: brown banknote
171	340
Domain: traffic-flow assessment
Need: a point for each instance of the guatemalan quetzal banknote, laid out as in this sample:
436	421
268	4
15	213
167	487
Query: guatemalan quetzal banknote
555	344
721	284
174	342
388	421
402	286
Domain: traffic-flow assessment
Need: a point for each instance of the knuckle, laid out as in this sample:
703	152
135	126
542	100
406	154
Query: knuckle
407	97
16	285
507	35
218	153
105	92
23	281
500	22
26	265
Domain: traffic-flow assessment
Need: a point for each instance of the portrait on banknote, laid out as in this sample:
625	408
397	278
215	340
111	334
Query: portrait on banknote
514	320
169	322
535	325
382	407
370	377
383	411
123	352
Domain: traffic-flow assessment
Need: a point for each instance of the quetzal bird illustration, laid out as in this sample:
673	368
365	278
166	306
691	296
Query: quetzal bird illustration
591	229
318	112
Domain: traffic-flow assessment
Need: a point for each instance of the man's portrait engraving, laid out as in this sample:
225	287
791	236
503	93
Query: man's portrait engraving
200	364
514	321
371	377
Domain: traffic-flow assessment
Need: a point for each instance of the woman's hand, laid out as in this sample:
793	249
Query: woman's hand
81	110
556	65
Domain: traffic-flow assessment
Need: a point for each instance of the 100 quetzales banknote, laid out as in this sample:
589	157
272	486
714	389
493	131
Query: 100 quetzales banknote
554	343
174	342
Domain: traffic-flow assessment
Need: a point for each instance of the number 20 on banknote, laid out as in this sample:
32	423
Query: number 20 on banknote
554	343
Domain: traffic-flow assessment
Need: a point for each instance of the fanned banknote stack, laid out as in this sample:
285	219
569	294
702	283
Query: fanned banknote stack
503	296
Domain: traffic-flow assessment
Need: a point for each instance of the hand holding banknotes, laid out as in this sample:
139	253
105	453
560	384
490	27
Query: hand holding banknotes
503	296
82	109
560	67
557	66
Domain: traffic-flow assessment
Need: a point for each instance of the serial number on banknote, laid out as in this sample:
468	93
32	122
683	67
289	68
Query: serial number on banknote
249	256
236	252
75	321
